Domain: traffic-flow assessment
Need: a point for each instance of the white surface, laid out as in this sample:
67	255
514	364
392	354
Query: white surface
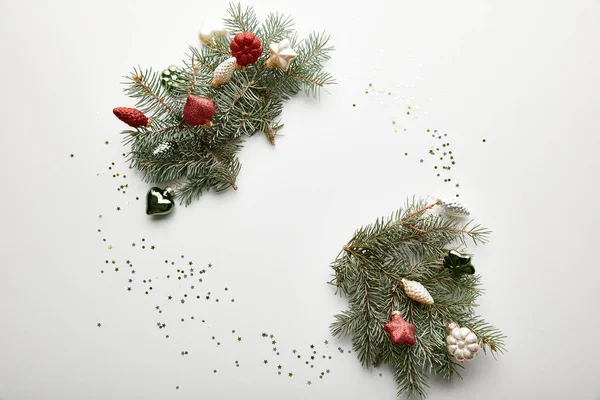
524	75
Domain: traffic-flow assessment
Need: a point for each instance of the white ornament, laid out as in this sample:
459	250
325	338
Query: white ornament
209	31
461	342
162	148
416	291
454	209
224	72
281	55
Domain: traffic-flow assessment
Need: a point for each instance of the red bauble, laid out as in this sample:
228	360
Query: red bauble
131	116
246	48
198	111
400	331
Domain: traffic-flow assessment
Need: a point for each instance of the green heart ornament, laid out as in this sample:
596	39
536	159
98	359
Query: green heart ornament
159	201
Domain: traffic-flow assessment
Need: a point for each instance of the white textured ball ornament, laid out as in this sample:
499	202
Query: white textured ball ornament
417	292
461	342
224	72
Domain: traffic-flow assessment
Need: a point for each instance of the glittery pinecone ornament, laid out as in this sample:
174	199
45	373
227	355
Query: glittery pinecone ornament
131	116
173	77
401	332
454	209
198	111
246	48
461	342
417	292
162	148
224	72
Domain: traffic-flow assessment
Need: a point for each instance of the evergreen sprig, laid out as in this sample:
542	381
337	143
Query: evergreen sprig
410	244
197	159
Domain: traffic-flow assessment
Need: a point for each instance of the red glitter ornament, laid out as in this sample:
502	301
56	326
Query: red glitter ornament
131	116
198	111
400	331
246	48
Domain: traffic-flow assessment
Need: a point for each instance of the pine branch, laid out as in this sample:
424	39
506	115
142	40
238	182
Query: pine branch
410	244
200	158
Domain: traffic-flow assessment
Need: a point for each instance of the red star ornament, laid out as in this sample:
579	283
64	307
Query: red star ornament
400	331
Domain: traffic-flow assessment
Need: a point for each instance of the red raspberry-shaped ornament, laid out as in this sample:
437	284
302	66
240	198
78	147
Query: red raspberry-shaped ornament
246	48
131	116
199	111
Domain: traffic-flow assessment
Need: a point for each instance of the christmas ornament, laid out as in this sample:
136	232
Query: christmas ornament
198	111
454	209
246	48
416	291
209	31
458	262
159	201
173	77
401	332
224	72
162	148
131	116
281	55
461	342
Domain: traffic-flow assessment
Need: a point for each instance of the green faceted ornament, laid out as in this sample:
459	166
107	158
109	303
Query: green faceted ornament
173	77
458	262
454	258
159	201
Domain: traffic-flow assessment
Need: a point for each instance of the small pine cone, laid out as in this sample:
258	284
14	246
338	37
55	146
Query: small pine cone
198	111
417	292
224	72
454	209
131	116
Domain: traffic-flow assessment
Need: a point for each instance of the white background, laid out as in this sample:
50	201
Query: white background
525	75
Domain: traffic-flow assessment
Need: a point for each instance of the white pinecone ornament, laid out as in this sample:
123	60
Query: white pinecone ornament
461	342
417	292
454	209
162	148
224	72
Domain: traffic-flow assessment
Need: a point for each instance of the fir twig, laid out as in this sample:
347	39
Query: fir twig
200	159
369	271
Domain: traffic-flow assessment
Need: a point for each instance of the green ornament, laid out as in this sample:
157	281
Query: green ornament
159	201
172	78
458	262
